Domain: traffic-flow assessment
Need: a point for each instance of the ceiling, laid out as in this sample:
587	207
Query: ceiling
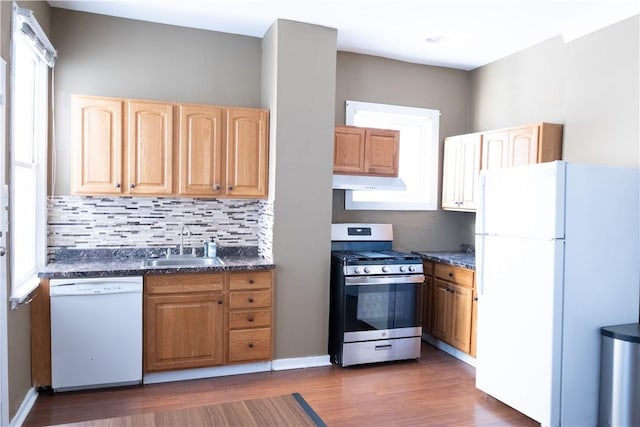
467	33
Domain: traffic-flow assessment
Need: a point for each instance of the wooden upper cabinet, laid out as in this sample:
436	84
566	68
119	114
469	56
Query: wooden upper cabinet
382	150
96	133
127	147
348	151
366	151
150	146
200	150
247	152
522	145
461	169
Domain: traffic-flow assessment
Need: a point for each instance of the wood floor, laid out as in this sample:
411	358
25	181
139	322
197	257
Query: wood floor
436	390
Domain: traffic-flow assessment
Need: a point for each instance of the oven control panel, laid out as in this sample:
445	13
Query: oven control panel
388	269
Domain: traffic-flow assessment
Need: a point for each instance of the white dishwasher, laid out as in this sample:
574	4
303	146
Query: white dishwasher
96	332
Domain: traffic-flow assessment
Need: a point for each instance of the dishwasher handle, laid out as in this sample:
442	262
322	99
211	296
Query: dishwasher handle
95	288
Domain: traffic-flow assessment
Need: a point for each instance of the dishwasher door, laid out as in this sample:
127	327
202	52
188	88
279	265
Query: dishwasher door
96	332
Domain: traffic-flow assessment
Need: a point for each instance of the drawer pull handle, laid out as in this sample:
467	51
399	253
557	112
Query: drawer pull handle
250	300
250	345
383	347
251	281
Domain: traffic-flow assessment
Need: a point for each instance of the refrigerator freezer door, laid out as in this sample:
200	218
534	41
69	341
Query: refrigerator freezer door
519	324
525	201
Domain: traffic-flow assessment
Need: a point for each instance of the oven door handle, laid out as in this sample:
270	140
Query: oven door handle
383	280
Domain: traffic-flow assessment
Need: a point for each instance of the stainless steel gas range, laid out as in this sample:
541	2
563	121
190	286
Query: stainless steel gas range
374	297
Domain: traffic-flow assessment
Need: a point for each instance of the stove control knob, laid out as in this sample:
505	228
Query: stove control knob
412	268
402	269
356	270
367	270
385	268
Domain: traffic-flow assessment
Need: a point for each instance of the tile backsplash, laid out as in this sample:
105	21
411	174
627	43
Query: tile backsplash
86	222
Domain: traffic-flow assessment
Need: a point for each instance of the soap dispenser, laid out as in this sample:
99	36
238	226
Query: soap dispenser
212	249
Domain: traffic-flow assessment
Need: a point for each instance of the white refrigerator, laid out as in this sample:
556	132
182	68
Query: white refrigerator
557	257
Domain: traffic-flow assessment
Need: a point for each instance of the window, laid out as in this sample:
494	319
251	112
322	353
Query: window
418	163
32	54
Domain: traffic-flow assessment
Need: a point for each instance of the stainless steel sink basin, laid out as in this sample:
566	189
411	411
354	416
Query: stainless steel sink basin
187	261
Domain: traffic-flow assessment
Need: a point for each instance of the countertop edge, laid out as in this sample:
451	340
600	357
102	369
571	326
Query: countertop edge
458	259
135	268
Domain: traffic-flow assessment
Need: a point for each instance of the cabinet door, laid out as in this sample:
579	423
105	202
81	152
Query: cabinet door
247	152
427	305
495	149
200	150
461	308
474	322
382	148
348	150
523	146
461	170
451	173
469	155
150	147
183	331
442	310
96	132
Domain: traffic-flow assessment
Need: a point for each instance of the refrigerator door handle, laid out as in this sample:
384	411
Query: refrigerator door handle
480	264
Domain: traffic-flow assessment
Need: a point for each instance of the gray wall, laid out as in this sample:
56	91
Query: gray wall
373	79
100	55
590	84
298	87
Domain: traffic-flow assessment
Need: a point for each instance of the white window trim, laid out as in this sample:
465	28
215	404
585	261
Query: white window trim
26	27
425	205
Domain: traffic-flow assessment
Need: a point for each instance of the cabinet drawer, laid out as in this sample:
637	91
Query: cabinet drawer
250	280
250	299
183	283
461	276
252	344
244	319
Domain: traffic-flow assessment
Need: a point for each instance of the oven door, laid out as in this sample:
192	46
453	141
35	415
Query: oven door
381	307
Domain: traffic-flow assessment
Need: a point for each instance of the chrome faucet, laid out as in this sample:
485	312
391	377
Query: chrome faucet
184	227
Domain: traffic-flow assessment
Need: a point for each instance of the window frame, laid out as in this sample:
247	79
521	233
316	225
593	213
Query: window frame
428	198
35	44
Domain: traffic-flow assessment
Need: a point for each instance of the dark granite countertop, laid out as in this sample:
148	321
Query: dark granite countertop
457	258
100	263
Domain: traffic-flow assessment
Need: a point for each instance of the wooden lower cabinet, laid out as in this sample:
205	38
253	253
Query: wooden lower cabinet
250	314
426	298
207	319
448	309
183	324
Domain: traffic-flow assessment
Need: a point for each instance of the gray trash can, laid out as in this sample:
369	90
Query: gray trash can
620	376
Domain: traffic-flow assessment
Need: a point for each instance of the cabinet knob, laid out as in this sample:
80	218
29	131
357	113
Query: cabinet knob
216	187
250	300
450	274
132	185
220	301
250	345
117	185
230	187
251	281
250	319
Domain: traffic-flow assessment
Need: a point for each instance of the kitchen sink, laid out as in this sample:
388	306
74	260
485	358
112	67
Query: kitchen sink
185	261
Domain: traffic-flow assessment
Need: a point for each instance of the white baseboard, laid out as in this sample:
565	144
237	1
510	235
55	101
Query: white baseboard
25	407
221	371
301	362
449	350
199	373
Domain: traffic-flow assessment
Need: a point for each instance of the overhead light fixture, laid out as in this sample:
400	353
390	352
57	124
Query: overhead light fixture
438	38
